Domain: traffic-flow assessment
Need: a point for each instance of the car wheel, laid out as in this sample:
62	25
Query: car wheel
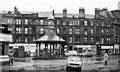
67	68
79	69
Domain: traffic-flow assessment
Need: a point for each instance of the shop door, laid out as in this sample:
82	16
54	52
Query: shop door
3	49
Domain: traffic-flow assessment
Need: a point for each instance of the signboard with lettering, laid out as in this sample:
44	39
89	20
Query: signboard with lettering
6	37
106	47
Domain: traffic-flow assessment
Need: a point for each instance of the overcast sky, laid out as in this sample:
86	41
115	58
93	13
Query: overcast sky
58	5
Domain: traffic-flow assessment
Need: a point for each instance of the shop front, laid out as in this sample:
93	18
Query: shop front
116	49
85	49
107	48
4	47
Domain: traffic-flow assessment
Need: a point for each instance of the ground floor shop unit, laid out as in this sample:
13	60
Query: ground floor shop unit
5	39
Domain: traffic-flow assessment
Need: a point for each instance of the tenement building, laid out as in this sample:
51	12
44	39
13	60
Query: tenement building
82	32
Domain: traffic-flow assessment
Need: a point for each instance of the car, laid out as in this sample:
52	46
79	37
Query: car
70	53
74	63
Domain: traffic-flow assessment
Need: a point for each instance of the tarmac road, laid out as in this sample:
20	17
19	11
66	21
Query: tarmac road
93	64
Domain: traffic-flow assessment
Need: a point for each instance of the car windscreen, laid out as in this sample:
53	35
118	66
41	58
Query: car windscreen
74	58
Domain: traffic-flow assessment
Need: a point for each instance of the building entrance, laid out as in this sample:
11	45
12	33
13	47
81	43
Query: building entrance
2	49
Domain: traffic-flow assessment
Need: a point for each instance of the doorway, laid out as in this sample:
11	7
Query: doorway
3	49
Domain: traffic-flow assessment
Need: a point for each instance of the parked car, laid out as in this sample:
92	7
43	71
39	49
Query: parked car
70	53
74	63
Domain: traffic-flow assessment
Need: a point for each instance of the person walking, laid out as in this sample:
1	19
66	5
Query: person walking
10	59
106	58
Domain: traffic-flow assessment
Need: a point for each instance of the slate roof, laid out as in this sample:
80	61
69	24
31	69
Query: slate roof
46	14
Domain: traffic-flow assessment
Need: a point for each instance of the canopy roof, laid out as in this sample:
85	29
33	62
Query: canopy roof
50	38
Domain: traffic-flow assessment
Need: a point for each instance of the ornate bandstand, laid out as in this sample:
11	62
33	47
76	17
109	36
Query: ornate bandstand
50	45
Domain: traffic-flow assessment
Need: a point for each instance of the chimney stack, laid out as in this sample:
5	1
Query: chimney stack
97	12
81	13
119	5
64	13
53	13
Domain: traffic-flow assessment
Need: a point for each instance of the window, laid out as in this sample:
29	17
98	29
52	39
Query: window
85	23
58	22
85	32
26	30
26	21
33	38
85	39
17	29
102	23
102	31
70	22
64	23
26	39
76	31
30	30
41	22
41	31
70	39
19	38
108	39
70	31
78	22
10	29
76	39
102	39
91	23
91	31
107	31
57	30
92	39
17	21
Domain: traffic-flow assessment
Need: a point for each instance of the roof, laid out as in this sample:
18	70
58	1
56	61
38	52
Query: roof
50	17
50	36
46	14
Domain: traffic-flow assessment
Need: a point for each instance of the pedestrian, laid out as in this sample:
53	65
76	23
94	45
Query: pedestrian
10	59
106	58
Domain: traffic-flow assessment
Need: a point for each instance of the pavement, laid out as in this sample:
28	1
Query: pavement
87	64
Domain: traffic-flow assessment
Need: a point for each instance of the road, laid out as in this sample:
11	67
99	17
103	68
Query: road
91	64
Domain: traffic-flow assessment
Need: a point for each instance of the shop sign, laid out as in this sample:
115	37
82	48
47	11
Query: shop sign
28	47
116	46
5	37
106	47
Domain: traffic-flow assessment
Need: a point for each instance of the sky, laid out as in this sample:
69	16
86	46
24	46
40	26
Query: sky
58	5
